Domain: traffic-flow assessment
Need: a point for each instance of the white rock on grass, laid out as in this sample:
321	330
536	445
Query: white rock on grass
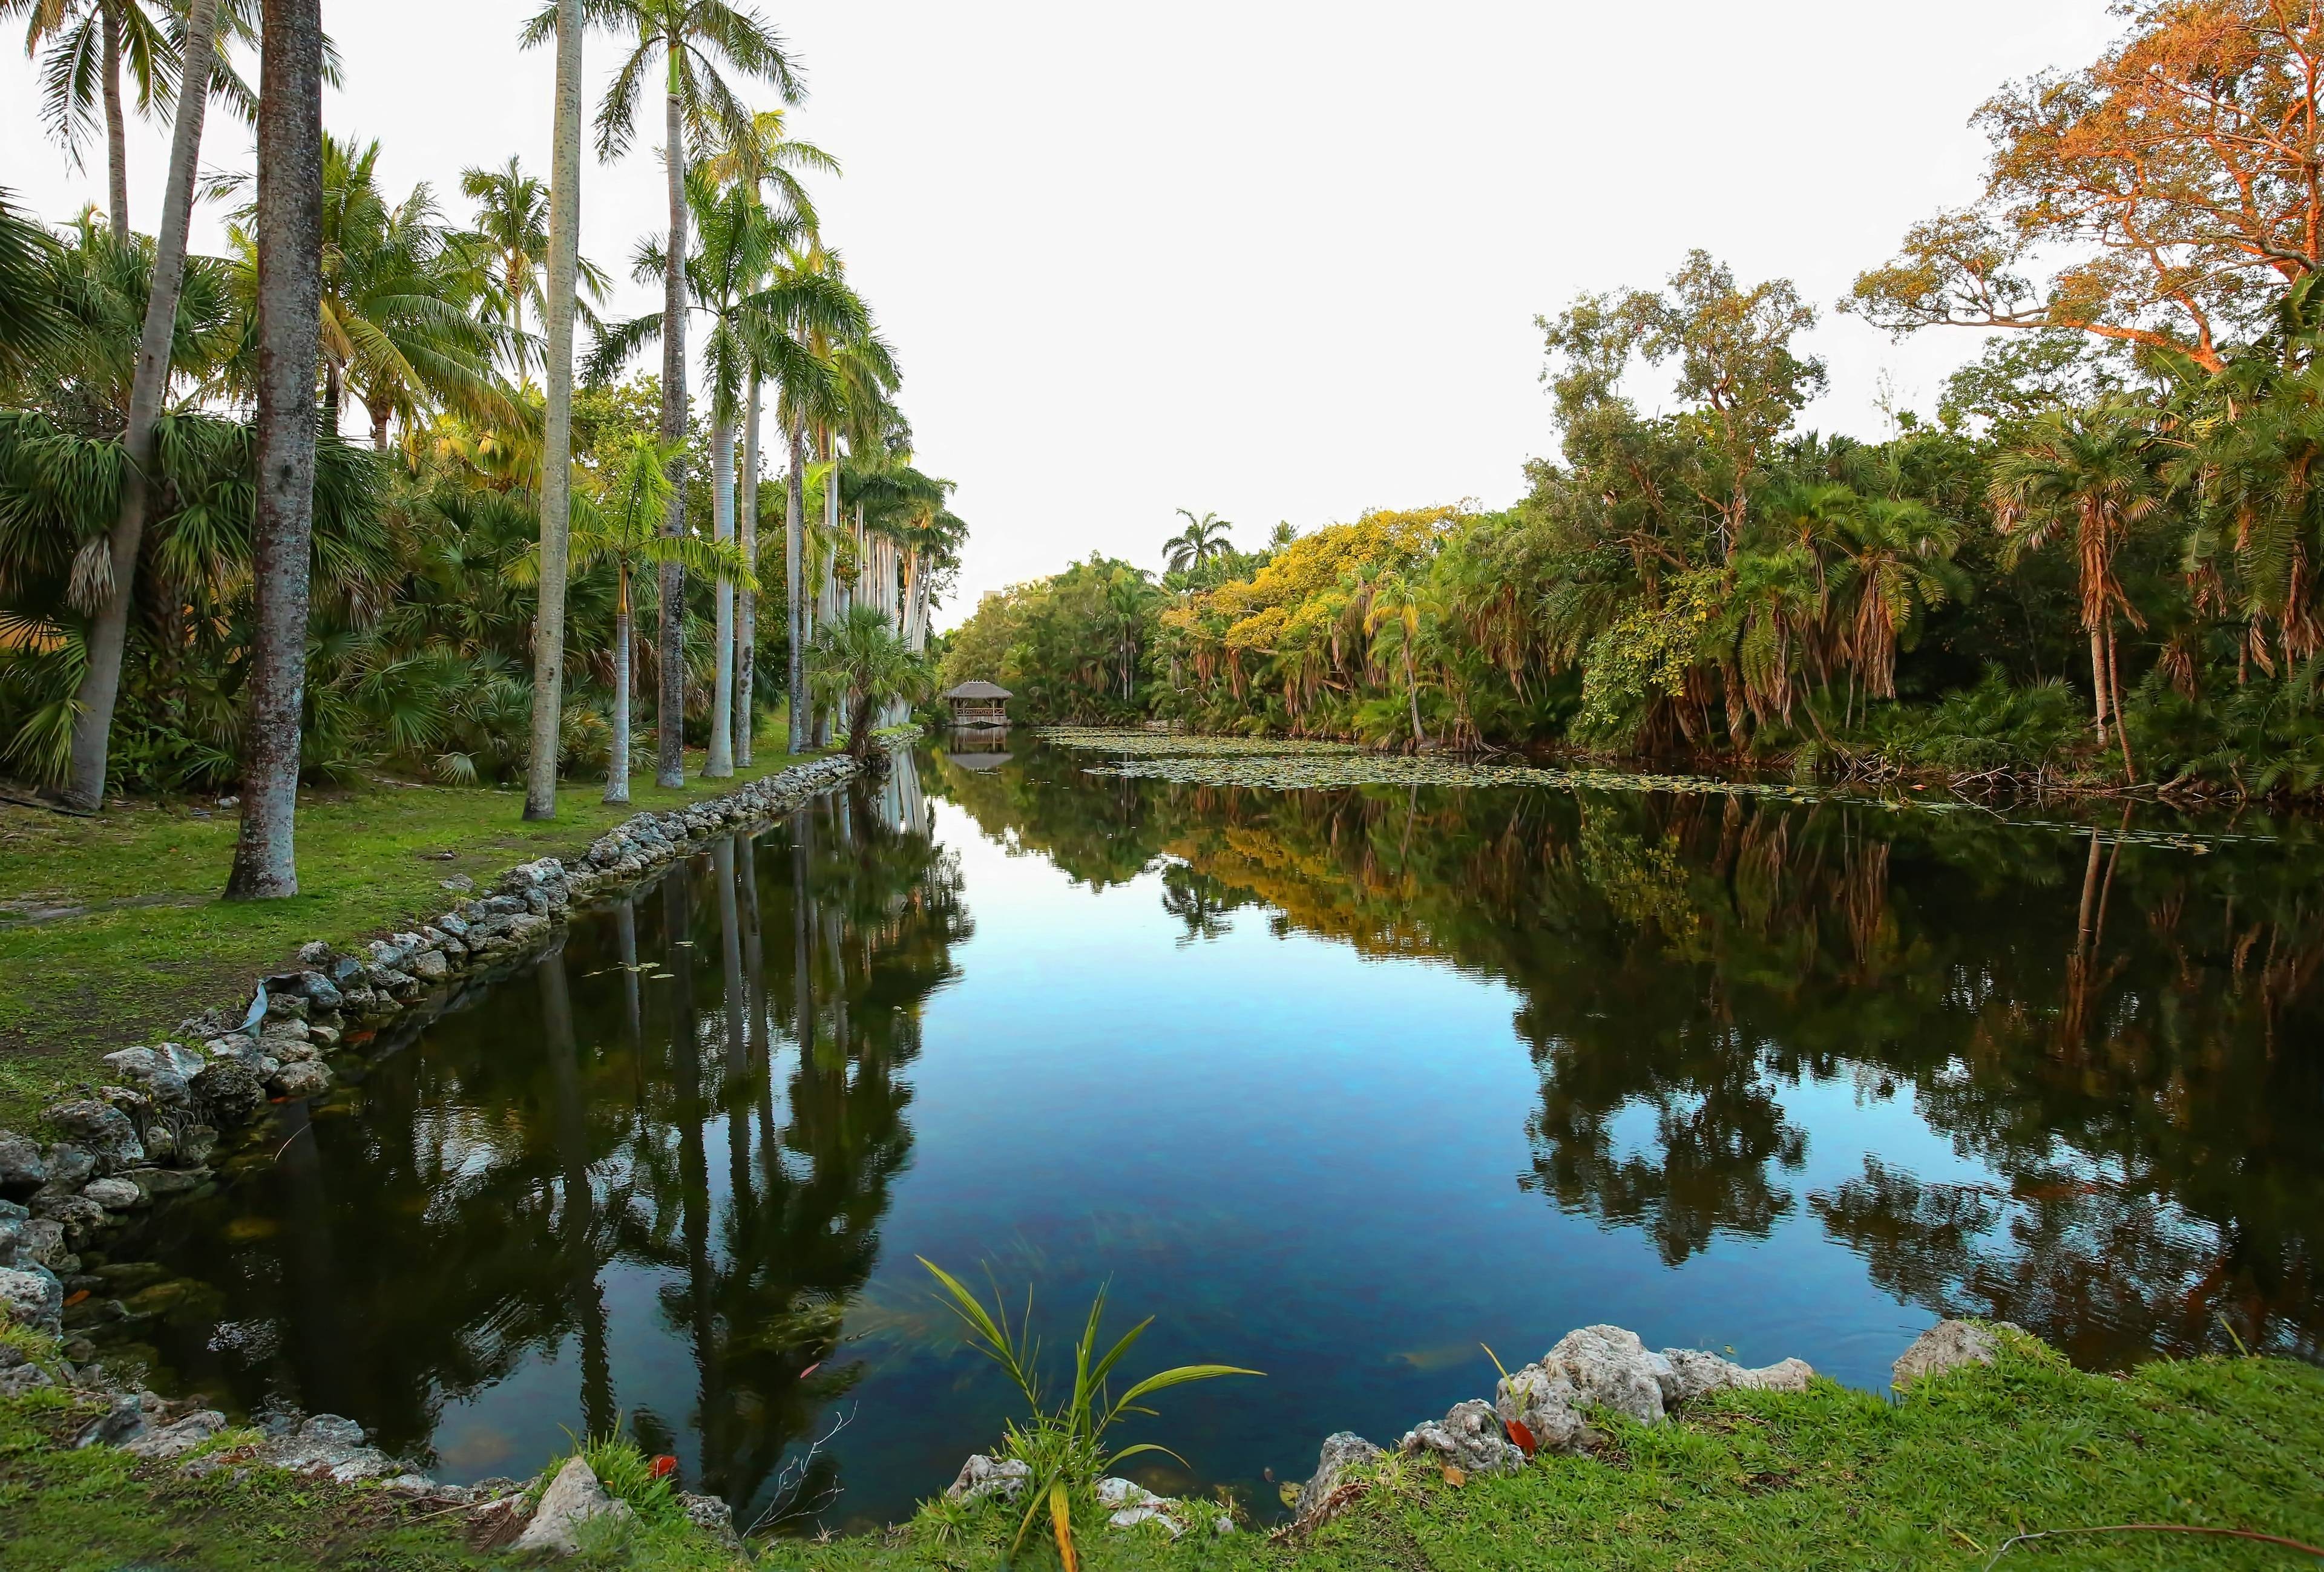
1947	1346
1342	1451
31	1296
174	1440
1470	1438
573	1498
1606	1368
981	1476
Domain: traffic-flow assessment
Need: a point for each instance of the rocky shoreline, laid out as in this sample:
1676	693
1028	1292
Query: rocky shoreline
152	1137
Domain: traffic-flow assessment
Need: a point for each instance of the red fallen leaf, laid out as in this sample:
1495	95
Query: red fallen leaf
810	1370
75	1296
663	1466
1521	1436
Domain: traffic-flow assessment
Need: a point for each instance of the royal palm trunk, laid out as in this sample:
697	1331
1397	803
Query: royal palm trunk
721	759
746	607
669	717
290	226
617	764
556	429
117	131
795	590
108	637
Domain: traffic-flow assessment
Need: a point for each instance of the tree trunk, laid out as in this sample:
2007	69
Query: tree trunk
2098	680
108	637
379	417
859	728
794	589
670	718
721	761
116	132
557	430
827	598
2114	702
290	228
617	763
746	609
1411	696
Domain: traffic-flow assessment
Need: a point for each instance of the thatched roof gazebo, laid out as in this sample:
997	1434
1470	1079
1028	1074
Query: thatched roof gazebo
979	703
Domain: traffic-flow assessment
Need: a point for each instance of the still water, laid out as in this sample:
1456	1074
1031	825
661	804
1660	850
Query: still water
1337	1083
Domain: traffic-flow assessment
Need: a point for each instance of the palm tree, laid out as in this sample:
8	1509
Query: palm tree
858	666
1391	598
508	247
2092	471
623	528
88	43
770	162
108	635
290	224
693	37
1898	563
563	268
32	325
1202	540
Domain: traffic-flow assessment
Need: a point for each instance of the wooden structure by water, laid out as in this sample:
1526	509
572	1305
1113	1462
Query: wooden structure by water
979	706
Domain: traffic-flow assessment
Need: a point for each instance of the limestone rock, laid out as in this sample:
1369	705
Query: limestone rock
19	1379
327	1444
1129	1505
1686	1374
304	1079
1469	1437
115	1195
123	1421
981	1476
22	1171
106	1131
174	1440
430	966
1341	1451
712	1516
573	1498
1609	1368
1947	1346
229	1089
31	1296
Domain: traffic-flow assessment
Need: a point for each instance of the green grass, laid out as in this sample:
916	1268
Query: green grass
100	1509
145	942
1831	1479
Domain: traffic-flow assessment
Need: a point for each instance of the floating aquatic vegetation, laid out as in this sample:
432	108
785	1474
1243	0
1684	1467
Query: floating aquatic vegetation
1187	745
1265	765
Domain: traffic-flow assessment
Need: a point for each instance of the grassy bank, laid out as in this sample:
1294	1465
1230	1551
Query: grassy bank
1835	1478
111	929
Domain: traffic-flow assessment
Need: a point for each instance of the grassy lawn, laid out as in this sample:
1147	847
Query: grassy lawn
111	930
1833	1478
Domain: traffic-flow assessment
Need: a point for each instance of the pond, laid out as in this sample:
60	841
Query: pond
1338	1082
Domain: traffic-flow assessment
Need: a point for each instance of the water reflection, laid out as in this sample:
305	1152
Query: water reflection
673	1136
1338	1082
2128	1038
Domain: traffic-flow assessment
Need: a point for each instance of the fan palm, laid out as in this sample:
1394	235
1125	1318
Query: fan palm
695	38
858	666
2091	474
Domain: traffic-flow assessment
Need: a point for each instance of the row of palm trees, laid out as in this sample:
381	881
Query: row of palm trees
388	307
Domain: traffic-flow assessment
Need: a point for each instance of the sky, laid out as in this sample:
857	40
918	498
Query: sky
1272	260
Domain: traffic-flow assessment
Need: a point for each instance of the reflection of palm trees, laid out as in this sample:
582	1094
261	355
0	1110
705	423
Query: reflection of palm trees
578	1222
1199	901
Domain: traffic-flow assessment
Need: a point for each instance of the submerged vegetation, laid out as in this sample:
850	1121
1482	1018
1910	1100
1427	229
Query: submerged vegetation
2095	564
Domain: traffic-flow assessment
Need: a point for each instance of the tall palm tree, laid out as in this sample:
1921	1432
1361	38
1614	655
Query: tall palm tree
88	43
564	270
1390	599
33	324
290	224
2093	473
1202	540
693	37
108	635
507	245
770	161
622	526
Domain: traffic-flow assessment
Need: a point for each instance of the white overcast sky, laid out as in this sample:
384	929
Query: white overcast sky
1270	259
